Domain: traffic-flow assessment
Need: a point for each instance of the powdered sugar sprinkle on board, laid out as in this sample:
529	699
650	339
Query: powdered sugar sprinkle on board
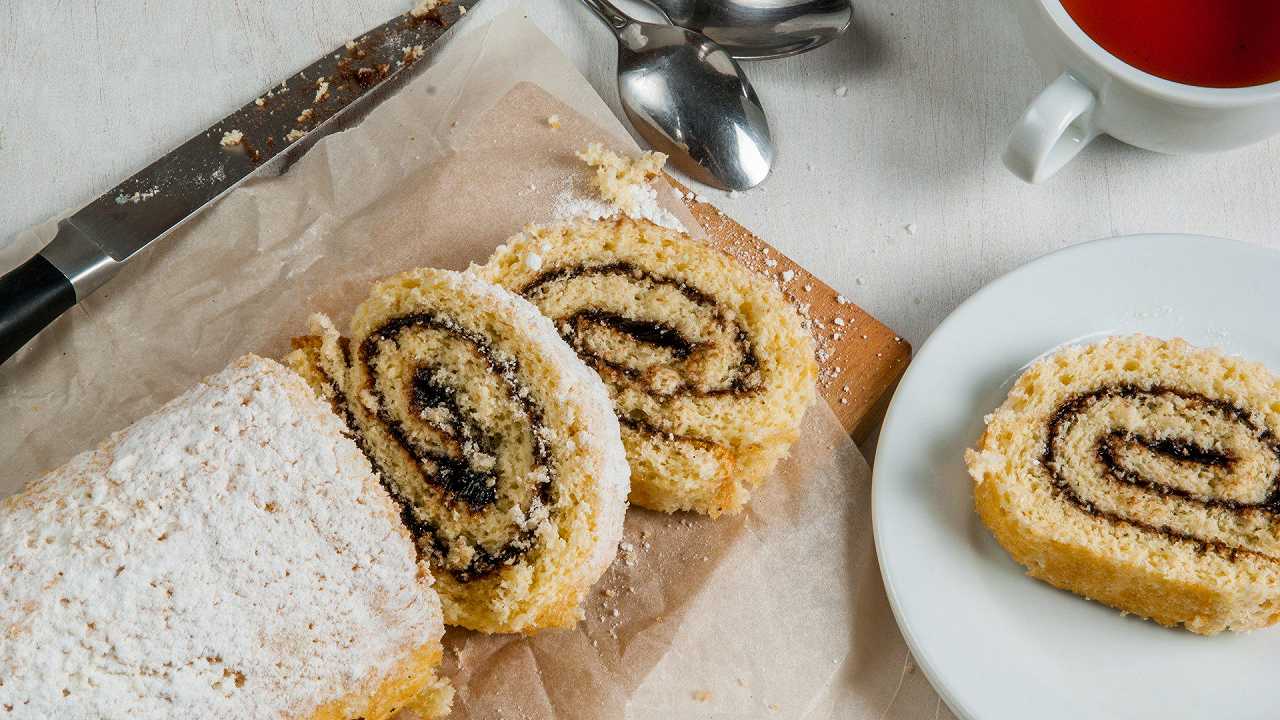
629	190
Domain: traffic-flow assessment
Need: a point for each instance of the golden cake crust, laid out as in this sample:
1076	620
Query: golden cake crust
411	685
1163	551
1129	586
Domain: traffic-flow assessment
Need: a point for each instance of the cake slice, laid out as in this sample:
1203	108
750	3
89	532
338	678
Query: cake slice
1144	474
230	556
499	445
709	367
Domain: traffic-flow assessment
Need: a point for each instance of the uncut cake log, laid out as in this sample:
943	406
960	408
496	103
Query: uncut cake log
1144	474
498	443
231	556
709	367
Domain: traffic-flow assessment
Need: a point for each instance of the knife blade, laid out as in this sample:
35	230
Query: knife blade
94	243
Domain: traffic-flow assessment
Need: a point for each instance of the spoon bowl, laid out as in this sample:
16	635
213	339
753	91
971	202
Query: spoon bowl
687	97
684	95
762	29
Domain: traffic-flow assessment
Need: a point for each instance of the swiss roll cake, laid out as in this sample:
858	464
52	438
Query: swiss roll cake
1144	474
498	443
230	556
709	367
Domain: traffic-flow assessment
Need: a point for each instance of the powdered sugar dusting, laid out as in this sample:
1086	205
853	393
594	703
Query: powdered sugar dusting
571	204
229	556
622	186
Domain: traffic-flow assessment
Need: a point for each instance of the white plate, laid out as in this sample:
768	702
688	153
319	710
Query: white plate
996	644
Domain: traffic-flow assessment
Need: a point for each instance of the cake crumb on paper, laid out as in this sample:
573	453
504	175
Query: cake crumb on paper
619	178
842	91
553	122
702	695
137	197
628	553
622	185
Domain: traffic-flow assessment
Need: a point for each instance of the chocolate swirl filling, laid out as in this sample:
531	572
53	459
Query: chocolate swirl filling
470	465
648	334
1190	467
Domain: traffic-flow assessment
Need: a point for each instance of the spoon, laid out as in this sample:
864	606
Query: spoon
761	29
689	99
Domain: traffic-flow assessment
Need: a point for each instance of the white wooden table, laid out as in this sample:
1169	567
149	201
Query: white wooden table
91	90
892	191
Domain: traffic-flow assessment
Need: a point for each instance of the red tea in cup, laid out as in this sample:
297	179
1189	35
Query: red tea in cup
1210	43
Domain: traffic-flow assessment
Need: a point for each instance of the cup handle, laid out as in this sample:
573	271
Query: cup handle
1057	126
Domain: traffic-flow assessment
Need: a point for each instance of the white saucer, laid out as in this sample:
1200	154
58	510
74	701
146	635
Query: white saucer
996	644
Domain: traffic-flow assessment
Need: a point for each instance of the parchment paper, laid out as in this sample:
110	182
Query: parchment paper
778	612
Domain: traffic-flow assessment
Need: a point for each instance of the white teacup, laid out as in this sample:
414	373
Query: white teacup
1095	92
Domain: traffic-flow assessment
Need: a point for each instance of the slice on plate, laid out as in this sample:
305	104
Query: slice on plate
1144	474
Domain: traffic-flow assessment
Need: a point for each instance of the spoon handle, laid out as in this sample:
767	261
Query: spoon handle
616	19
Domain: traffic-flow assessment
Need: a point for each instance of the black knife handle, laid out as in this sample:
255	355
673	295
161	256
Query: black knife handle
31	296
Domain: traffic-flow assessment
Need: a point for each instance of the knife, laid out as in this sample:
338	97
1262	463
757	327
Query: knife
334	92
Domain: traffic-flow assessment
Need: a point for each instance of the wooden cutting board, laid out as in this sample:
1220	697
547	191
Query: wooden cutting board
523	152
860	359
